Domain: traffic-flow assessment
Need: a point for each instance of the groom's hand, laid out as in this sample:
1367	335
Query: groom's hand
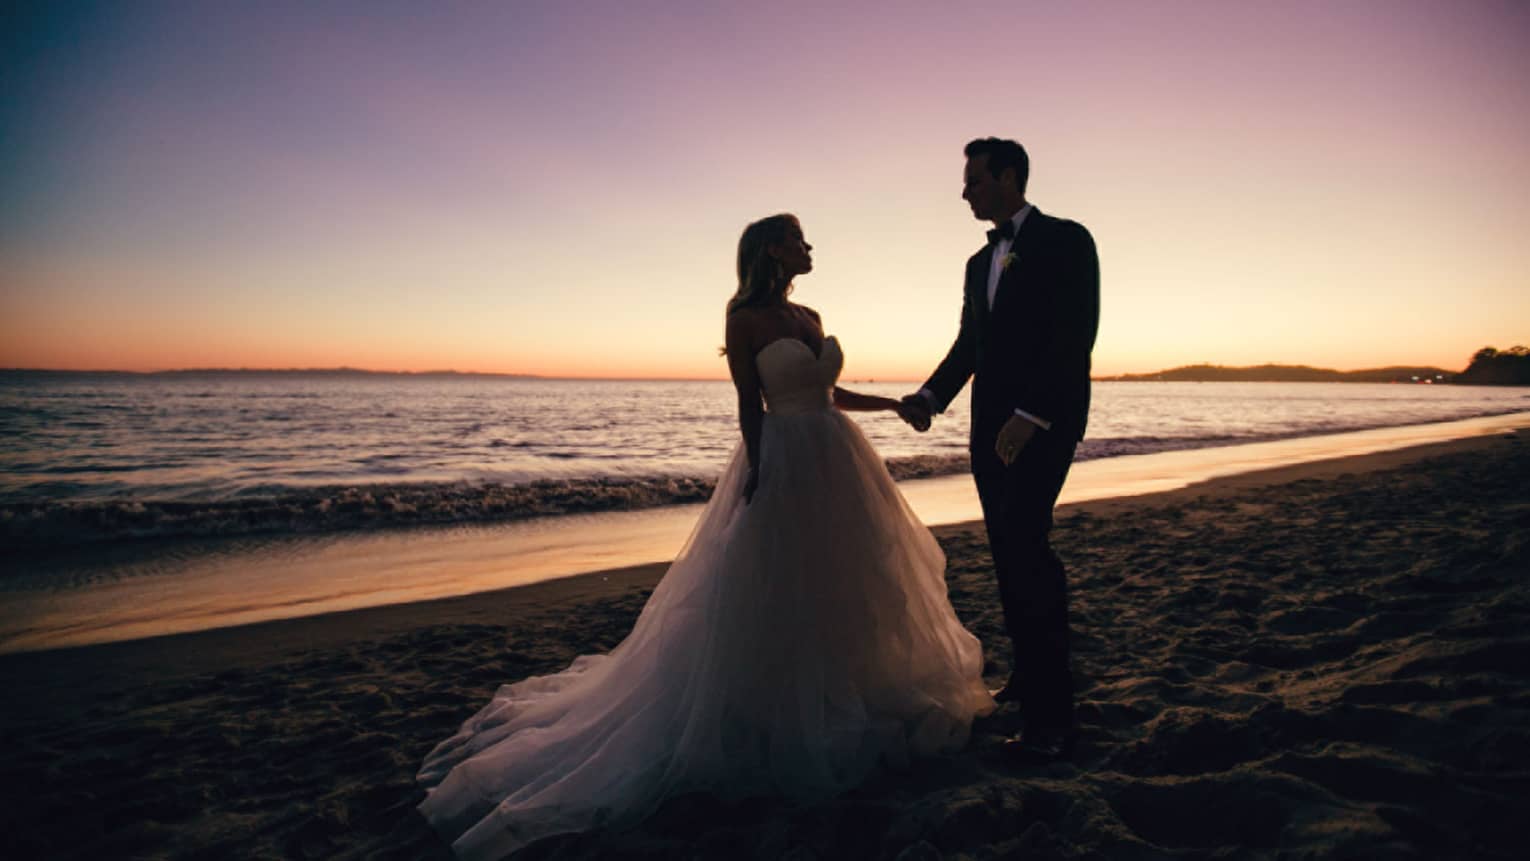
1013	438
915	410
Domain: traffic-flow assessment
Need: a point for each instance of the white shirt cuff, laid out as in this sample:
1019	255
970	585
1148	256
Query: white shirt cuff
1038	422
929	398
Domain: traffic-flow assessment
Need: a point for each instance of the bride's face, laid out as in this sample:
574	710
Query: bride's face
794	252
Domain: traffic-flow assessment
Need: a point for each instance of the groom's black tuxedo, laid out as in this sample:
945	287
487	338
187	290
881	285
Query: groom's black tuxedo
1030	352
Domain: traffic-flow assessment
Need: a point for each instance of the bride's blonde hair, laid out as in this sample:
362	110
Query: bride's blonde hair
761	280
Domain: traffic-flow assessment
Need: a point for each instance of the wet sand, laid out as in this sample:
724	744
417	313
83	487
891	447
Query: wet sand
1325	660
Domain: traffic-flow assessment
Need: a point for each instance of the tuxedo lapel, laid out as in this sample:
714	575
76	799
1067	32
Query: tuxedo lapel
1025	248
977	282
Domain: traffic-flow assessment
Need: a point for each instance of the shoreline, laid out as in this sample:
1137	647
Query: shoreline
44	531
252	644
128	593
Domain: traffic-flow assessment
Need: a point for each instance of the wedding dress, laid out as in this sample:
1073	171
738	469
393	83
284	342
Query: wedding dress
796	642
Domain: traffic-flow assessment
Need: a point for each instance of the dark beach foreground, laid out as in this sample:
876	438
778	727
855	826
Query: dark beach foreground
1330	660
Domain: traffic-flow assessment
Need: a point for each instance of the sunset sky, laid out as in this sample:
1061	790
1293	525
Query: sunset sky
558	187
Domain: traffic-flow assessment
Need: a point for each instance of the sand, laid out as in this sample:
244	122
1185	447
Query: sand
1328	660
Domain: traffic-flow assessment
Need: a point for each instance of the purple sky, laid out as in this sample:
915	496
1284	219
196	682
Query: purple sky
558	187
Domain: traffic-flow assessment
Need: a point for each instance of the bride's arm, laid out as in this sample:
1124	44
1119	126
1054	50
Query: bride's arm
746	380
857	402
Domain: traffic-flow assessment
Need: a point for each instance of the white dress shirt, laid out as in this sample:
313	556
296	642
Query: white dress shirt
995	269
1001	248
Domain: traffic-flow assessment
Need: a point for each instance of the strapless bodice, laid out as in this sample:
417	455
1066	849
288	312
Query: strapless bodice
795	380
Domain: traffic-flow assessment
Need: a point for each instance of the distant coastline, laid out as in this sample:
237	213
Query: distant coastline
1187	374
1488	367
1286	374
336	373
255	372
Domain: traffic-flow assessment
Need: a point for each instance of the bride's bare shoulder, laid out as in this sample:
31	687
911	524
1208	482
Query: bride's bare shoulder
743	319
743	328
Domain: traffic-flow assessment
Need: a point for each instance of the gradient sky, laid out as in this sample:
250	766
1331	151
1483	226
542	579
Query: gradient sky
558	188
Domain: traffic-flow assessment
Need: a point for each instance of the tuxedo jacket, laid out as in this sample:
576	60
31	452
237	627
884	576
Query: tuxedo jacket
1031	351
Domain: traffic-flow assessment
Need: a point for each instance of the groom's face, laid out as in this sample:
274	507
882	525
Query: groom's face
981	190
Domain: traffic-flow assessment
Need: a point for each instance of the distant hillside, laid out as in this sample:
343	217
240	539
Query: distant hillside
1490	367
1286	374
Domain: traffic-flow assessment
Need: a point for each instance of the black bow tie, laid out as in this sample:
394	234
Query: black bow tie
1003	231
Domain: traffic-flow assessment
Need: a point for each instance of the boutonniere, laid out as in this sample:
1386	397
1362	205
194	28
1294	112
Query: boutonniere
1006	260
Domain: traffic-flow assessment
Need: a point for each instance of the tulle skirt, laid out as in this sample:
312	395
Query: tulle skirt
796	642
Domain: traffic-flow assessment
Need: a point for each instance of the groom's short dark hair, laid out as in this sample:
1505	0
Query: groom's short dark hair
1002	153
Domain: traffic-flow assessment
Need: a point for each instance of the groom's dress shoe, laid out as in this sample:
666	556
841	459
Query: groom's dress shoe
1035	747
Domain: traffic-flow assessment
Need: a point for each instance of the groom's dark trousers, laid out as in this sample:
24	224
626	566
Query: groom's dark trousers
1017	505
1029	350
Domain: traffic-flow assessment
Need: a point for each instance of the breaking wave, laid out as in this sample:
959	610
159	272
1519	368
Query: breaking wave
49	523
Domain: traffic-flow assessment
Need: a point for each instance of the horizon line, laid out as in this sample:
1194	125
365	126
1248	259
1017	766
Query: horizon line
343	369
346	369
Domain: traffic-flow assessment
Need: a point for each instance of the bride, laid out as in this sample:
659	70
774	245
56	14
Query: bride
802	636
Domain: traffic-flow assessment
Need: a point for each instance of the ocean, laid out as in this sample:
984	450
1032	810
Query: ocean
109	457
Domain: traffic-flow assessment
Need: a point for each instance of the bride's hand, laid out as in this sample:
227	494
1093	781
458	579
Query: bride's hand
751	484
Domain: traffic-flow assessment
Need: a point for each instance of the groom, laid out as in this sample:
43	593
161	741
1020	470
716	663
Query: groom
1030	308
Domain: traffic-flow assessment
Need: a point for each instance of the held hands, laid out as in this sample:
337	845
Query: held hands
915	410
1013	437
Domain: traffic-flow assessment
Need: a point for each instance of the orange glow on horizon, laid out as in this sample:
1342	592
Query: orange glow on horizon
883	369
